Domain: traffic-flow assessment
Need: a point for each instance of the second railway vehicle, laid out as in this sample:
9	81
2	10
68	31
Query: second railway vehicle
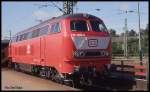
73	47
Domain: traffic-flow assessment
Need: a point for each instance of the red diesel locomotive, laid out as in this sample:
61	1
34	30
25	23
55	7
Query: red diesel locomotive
70	47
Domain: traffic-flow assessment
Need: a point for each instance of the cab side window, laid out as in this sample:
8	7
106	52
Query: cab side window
17	38
13	39
29	36
35	33
43	30
55	28
20	37
25	36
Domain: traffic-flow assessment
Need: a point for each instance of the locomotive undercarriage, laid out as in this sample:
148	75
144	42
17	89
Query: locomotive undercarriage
80	77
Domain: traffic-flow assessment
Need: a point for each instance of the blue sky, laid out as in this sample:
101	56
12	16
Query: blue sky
17	16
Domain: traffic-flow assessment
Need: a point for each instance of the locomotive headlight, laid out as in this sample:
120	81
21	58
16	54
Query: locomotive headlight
94	68
104	53
82	53
79	53
107	53
76	54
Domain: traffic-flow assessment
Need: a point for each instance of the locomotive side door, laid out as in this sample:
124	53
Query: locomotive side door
42	51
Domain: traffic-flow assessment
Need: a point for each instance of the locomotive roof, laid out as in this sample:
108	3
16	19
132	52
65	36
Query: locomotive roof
77	15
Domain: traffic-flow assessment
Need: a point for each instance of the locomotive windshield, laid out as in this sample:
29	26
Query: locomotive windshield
97	26
79	25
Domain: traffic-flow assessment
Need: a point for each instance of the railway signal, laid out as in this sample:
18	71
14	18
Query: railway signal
126	32
140	48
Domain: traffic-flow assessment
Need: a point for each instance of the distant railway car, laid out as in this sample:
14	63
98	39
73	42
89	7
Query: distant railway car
4	52
63	47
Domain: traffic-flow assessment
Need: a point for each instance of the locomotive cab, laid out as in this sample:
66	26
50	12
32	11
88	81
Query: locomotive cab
88	42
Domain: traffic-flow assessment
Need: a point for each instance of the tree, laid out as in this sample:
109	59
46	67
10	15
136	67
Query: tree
133	46
132	33
145	40
117	48
122	34
147	27
112	32
145	32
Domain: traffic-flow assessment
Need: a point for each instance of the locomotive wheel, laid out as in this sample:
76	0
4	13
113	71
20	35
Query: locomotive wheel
10	64
89	82
76	82
48	73
34	70
42	72
16	66
56	77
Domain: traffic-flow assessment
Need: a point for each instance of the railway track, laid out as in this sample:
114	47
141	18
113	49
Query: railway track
111	84
13	80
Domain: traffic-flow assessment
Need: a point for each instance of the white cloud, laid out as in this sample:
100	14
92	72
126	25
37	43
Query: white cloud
43	15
